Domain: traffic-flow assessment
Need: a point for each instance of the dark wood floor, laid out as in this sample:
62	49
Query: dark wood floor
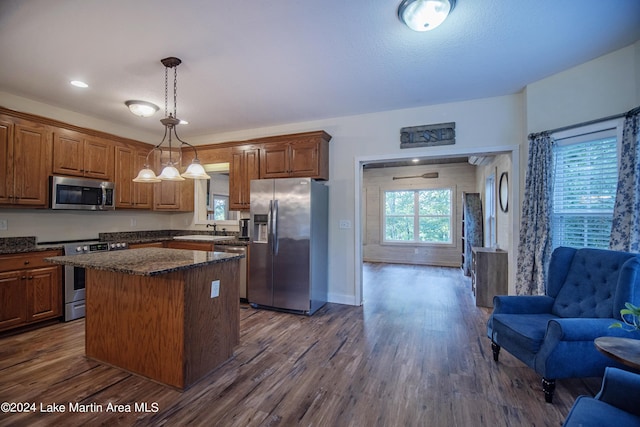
415	354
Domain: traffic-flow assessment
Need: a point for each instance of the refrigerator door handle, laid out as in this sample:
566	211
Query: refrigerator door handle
274	222
270	226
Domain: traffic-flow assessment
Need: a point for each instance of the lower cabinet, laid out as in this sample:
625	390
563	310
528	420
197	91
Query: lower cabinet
30	289
146	245
194	246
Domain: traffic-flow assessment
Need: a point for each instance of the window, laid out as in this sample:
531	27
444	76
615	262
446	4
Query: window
584	189
418	216
220	211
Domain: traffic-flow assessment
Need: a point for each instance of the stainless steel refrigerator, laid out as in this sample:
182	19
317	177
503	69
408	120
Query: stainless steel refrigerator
288	244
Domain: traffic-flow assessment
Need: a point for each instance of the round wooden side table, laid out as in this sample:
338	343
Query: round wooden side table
623	350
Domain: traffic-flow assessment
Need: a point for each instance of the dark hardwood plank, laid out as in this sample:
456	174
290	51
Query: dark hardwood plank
414	354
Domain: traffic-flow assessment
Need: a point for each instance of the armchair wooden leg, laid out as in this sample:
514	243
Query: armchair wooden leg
495	348
549	387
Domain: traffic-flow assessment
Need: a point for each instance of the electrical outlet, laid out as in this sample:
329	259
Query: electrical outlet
215	288
133	222
345	223
3	225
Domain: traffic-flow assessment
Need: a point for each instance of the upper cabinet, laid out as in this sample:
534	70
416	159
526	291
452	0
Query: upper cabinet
129	194
176	196
297	155
78	154
25	158
244	166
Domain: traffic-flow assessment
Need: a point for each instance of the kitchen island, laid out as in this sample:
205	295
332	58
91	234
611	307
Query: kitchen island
171	315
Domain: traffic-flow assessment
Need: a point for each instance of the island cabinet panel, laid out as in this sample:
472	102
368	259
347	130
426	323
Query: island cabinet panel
165	327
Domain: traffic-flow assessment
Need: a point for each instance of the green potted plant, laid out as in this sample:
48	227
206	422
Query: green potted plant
630	318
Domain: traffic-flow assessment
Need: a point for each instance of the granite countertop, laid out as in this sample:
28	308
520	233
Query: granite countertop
145	261
16	245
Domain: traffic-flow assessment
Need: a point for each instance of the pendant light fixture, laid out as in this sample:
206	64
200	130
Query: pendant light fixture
170	172
424	15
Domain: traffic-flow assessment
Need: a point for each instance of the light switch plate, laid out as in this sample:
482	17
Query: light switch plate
215	288
345	223
3	225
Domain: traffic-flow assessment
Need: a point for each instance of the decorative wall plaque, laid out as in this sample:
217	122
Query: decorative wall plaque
428	135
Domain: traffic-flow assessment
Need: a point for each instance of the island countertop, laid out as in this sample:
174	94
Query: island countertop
145	261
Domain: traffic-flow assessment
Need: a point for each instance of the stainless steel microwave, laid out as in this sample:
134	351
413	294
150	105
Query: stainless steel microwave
81	194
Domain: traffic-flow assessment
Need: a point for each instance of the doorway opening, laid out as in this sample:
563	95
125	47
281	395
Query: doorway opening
510	223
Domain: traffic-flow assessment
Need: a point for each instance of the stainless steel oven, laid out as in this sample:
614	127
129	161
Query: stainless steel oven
74	277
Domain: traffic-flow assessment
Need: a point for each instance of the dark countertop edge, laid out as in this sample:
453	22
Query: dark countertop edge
58	247
27	249
70	260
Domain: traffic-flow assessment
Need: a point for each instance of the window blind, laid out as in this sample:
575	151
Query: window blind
584	190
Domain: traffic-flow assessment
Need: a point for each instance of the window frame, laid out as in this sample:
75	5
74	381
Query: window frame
417	188
577	135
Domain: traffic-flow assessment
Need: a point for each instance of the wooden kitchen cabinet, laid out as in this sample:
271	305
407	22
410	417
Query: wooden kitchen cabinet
488	275
78	154
131	195
25	159
193	246
176	196
30	289
147	245
244	166
297	155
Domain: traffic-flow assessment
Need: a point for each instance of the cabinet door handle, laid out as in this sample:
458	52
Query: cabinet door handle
26	262
30	277
24	277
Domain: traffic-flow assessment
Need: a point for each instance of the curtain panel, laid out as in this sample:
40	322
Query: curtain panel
625	229
534	249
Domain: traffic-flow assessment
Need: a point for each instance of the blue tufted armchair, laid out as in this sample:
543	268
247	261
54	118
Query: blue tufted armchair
615	405
553	333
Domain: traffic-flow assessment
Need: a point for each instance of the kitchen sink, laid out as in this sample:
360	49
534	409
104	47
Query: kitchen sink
203	237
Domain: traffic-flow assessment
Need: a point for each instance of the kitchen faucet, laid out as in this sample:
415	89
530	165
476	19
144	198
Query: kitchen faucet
215	228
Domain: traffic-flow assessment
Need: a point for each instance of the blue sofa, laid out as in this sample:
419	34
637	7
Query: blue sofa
553	333
616	405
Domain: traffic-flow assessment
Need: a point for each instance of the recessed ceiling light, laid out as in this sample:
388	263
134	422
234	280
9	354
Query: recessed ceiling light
78	83
183	122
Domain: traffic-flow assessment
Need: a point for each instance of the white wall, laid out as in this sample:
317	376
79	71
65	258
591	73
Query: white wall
606	86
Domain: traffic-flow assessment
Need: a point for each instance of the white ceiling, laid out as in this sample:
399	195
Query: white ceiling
253	63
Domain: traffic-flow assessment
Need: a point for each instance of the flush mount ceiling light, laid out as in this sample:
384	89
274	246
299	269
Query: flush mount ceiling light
170	171
78	83
424	15
142	108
